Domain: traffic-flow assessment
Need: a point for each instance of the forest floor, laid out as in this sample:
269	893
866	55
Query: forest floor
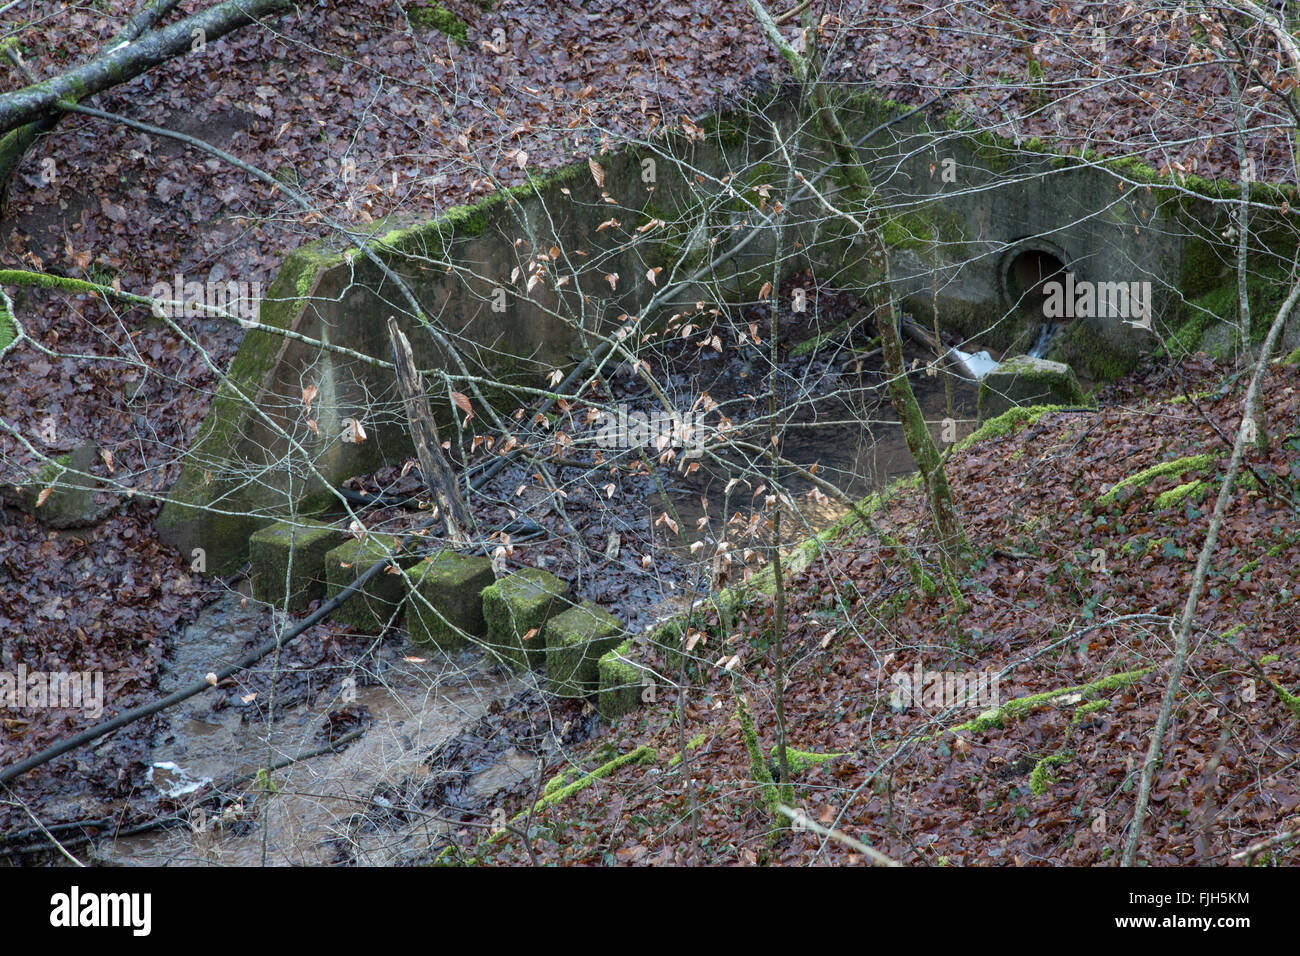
429	124
1045	616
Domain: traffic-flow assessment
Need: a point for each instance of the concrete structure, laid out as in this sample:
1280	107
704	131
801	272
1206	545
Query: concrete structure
974	225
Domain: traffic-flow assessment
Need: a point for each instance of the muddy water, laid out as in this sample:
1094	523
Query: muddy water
855	457
318	810
323	808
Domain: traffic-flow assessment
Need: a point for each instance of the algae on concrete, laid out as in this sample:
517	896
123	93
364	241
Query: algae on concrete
575	642
453	584
271	551
515	609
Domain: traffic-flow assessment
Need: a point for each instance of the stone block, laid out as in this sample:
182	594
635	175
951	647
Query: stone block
453	583
515	608
292	554
621	683
1024	380
575	642
380	600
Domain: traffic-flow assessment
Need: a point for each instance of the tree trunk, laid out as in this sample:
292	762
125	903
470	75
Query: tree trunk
124	62
437	473
15	144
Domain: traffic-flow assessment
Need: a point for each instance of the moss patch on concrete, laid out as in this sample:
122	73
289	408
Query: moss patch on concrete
920	229
515	609
1209	317
1083	345
453	584
288	562
576	640
379	602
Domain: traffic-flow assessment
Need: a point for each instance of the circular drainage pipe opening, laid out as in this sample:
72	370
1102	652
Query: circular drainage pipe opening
1025	273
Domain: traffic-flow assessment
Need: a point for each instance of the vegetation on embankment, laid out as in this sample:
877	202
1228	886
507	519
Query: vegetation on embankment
1068	606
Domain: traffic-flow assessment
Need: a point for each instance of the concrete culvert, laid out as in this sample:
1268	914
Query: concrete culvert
1025	273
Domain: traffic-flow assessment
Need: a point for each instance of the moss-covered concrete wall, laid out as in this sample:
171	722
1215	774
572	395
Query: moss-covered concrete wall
959	207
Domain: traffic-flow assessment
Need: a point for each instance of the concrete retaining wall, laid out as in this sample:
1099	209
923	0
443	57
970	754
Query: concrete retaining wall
962	210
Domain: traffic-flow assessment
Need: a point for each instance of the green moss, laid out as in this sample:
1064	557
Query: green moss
1026	381
71	499
1133	168
556	792
8	329
872	109
434	239
1293	358
1289	700
621	683
1022	706
42	280
1266	287
695	743
1005	424
1205	266
1197	396
667	635
1091	707
802	760
1175	495
1144	477
560	780
641	755
438	17
758	772
1040	779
